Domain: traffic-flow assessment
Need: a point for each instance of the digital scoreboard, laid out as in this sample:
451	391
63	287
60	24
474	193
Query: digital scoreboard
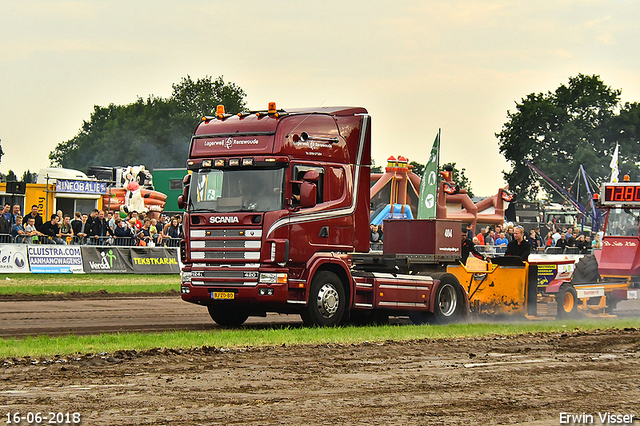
623	193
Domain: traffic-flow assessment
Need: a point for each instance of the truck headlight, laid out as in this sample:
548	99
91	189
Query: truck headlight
273	278
186	277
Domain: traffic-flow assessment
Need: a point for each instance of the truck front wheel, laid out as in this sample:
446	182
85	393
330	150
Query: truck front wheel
326	301
227	316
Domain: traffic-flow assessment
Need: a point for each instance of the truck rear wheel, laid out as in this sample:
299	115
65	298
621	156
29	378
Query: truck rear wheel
586	270
326	301
227	316
567	300
448	306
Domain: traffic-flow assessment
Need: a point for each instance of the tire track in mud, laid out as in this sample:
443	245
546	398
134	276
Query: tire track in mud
142	313
526	379
104	315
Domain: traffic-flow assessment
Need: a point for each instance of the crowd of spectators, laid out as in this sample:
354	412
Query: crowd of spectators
558	240
494	240
96	228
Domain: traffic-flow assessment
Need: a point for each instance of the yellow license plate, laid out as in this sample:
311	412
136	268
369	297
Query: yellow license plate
222	295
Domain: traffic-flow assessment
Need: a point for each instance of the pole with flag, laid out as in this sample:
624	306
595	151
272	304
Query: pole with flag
614	165
429	184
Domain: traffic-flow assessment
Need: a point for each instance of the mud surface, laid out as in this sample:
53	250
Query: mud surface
108	313
527	379
91	295
139	313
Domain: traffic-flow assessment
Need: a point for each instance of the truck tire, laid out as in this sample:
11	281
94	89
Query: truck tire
227	316
327	301
448	306
567	300
420	318
449	303
586	271
611	304
366	318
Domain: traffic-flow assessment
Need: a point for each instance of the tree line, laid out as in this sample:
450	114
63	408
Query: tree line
579	123
154	131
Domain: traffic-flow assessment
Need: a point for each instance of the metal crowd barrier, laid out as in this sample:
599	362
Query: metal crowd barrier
568	250
492	251
171	242
75	240
373	246
26	239
500	250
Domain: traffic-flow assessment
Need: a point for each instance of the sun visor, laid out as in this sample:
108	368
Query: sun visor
224	146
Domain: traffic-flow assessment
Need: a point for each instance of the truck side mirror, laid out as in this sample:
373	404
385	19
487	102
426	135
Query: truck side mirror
311	176
307	194
182	199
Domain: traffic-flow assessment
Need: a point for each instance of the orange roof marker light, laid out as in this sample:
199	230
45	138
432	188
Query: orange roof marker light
272	110
626	178
220	111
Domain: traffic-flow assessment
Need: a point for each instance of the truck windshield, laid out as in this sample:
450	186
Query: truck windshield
623	222
235	190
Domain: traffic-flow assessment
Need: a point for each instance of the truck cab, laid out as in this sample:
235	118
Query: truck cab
273	196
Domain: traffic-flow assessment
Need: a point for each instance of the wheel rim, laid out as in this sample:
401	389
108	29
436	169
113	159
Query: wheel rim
328	300
448	300
568	302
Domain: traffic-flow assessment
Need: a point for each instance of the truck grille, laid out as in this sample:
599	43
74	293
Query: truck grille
223	274
225	257
225	244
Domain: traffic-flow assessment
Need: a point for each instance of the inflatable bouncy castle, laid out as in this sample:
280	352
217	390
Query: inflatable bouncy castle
395	195
132	190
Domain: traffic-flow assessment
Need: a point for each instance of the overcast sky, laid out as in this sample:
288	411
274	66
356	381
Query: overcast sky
415	65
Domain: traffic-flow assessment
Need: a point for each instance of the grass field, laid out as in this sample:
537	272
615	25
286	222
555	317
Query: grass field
84	283
65	345
38	284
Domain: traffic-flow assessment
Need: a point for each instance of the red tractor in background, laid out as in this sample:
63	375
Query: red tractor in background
617	265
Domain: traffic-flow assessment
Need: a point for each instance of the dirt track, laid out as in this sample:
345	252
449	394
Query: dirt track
24	317
105	313
516	380
522	380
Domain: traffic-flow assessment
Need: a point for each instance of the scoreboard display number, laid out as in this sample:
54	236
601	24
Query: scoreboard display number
620	193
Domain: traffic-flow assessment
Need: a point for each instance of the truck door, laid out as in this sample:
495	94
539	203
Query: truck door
319	228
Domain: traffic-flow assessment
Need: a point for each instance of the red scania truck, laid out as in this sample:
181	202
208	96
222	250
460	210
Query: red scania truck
277	220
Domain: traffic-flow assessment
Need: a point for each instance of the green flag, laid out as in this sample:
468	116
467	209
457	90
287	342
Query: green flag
429	184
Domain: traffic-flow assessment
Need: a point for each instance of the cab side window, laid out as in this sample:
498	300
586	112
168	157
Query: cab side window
298	174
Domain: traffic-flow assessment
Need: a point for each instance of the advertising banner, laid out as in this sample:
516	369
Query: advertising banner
81	186
106	260
13	258
157	260
55	259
